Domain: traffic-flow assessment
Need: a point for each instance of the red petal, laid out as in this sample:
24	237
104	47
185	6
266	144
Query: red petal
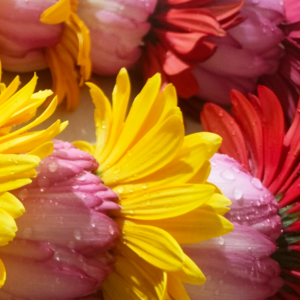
217	120
192	20
226	10
181	42
202	51
250	124
273	132
185	83
292	193
151	63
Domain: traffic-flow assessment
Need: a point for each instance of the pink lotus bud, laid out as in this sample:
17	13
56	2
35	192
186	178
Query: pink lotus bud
65	233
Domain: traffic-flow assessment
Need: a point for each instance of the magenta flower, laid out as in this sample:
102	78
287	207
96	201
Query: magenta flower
64	235
255	136
286	82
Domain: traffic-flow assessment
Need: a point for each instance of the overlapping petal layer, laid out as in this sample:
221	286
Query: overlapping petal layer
17	167
274	161
64	234
160	177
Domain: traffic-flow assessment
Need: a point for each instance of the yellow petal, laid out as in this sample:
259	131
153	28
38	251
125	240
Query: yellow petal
176	288
57	13
85	146
137	116
218	203
166	203
14	184
11	205
8	227
190	273
17	101
10	90
13	163
2	274
102	117
43	151
151	153
191	157
138	279
154	245
120	100
213	140
196	226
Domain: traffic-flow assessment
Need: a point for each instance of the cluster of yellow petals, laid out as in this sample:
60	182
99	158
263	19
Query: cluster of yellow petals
160	176
20	150
69	60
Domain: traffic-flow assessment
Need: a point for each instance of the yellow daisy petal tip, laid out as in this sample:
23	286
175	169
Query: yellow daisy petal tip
57	13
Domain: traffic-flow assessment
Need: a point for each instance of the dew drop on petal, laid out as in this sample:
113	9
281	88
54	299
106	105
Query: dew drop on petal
238	194
110	229
257	183
27	232
228	175
23	194
77	234
71	245
52	167
43	182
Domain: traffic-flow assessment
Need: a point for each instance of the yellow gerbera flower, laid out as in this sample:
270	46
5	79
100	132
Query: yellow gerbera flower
69	61
160	177
16	169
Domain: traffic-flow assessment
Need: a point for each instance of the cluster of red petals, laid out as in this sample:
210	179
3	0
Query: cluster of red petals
255	136
178	39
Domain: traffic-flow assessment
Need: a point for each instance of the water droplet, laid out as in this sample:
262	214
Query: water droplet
145	186
93	224
235	169
257	183
42	200
43	182
111	230
23	194
52	167
213	163
80	177
117	170
221	241
71	245
221	113
120	189
77	234
238	194
27	232
228	175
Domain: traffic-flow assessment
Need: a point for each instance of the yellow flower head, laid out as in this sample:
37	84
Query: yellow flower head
160	176
16	167
69	60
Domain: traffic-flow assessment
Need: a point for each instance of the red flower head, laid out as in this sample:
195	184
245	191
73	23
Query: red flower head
255	136
179	39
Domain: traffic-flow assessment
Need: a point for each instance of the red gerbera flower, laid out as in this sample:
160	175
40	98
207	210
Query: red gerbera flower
178	39
255	136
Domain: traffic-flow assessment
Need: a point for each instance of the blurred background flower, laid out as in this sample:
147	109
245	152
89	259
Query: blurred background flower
255	137
204	48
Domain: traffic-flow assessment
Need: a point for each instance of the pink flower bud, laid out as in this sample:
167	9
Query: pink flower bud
65	233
